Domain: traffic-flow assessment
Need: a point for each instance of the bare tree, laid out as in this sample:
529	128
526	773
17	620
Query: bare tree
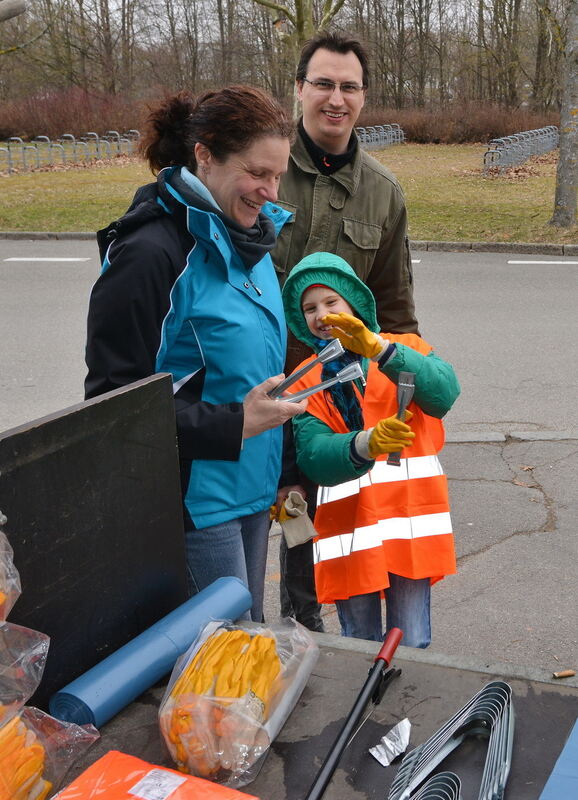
11	8
301	19
567	173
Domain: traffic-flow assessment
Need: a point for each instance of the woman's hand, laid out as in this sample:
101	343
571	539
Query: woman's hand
262	413
354	335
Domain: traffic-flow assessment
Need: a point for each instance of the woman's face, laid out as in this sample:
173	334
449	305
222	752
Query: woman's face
245	181
316	303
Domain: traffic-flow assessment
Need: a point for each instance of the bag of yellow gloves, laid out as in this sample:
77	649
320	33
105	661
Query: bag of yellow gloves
230	695
9	577
36	750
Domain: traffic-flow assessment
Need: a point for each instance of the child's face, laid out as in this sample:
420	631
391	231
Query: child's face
316	303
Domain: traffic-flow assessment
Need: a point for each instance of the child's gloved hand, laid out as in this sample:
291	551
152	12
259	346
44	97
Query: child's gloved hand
390	436
354	335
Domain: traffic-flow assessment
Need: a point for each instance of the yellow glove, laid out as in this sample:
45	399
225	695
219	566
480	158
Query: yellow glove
280	517
354	335
390	436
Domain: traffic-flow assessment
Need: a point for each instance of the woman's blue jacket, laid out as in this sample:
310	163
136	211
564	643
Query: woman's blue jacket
174	296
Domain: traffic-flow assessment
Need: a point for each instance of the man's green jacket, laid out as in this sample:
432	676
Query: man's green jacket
359	213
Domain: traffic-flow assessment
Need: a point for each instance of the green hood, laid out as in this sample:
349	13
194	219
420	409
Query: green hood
329	270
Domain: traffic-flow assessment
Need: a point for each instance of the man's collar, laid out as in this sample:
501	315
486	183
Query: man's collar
327	163
348	176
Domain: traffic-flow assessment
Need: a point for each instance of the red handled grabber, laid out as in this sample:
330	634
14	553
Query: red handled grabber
373	690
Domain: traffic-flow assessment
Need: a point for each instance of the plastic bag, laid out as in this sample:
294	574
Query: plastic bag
36	750
230	694
9	577
117	776
22	658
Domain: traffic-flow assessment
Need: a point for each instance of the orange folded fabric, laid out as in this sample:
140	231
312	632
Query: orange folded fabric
117	776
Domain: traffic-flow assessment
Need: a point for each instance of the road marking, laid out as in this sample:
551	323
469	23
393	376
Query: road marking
416	261
542	262
16	258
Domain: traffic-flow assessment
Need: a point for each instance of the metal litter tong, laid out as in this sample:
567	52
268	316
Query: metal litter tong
443	786
405	390
489	713
330	352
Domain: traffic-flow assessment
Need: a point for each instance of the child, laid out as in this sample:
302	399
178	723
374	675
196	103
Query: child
380	528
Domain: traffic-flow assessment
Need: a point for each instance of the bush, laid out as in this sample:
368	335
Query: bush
52	113
72	111
459	124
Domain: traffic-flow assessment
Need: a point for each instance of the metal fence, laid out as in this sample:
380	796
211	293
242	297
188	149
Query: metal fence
377	136
511	151
17	155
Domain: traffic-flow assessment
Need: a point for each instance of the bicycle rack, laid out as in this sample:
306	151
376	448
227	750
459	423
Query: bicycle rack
514	150
66	149
8	157
380	136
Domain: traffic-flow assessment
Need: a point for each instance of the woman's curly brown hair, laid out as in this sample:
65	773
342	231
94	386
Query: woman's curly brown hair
225	121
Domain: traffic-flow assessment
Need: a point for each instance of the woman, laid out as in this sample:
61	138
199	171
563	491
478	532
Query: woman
188	287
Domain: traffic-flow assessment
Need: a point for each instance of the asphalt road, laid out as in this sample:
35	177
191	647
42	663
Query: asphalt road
509	329
499	323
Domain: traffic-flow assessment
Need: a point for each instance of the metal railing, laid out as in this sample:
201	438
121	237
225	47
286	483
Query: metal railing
379	136
17	154
511	151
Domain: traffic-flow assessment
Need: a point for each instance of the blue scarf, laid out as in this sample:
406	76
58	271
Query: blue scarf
343	394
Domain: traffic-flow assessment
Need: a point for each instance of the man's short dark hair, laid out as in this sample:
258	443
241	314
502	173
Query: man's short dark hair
335	43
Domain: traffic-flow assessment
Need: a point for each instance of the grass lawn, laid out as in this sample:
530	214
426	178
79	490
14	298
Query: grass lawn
448	198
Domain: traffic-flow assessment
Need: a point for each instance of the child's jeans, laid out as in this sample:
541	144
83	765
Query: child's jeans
407	605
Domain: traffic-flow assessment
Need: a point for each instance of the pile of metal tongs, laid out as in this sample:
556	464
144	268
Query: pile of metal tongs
443	786
330	352
489	713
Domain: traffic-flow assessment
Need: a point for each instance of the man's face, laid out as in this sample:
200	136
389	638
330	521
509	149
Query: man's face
329	117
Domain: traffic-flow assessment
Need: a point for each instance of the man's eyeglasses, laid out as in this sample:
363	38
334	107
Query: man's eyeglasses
328	87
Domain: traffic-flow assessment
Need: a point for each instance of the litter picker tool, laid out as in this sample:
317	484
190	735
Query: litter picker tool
330	352
488	713
349	373
405	389
373	690
443	786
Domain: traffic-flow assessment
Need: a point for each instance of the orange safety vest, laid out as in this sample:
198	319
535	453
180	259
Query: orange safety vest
392	519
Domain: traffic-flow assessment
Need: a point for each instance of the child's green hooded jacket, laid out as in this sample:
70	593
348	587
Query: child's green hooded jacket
323	456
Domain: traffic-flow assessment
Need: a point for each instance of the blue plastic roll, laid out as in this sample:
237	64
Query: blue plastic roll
108	687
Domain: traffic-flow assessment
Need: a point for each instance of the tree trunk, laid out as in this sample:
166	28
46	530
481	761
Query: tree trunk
567	173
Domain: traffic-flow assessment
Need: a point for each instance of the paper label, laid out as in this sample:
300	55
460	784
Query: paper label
157	785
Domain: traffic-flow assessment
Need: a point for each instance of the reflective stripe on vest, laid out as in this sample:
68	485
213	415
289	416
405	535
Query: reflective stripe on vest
369	536
409	469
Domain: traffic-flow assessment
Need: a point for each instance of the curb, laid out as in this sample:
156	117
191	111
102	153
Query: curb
512	671
38	235
528	248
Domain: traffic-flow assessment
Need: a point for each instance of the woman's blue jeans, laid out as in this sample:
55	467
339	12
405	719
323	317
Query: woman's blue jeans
236	548
407	606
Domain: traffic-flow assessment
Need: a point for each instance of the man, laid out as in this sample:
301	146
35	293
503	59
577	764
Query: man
345	202
342	199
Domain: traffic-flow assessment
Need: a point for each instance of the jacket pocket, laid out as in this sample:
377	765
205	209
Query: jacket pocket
407	259
358	244
281	253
